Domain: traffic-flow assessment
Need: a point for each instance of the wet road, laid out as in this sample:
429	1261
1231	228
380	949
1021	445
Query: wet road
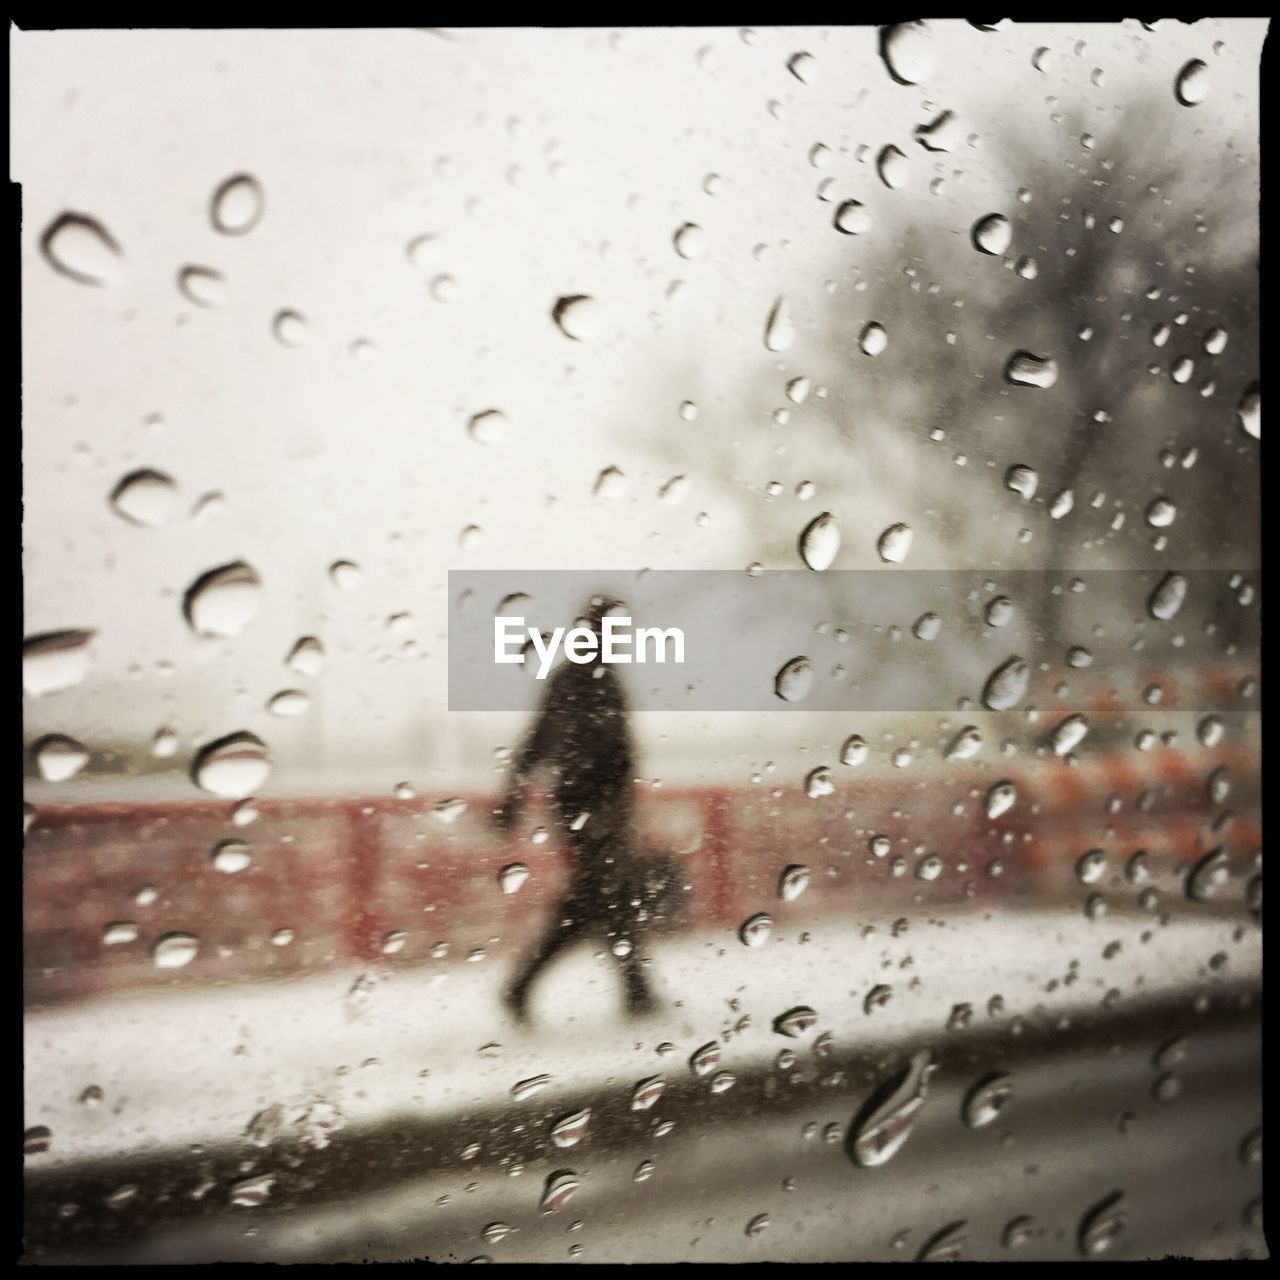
432	1149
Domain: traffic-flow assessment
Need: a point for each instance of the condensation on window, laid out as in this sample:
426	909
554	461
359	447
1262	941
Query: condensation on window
317	969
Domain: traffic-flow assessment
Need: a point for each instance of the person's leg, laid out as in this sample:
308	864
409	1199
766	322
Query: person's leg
564	928
639	994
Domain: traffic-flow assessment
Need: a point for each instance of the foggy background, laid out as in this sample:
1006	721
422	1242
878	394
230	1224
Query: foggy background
553	163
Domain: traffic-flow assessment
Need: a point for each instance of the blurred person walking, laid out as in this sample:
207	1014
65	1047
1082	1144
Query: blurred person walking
582	737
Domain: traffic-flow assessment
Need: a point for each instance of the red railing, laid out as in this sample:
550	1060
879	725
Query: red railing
342	873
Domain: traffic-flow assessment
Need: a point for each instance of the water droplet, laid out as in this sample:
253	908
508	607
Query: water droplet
122	1196
54	661
528	1088
756	929
894	543
1069	734
1138	869
706	1059
237	205
1062	504
512	876
230	856
202	286
1022	481
795	1022
82	249
1249	411
794	680
1210	730
611	484
854	751
647	1093
803	66
993	234
852	218
893	167
1173	1053
496	1231
1102	1225
1208	876
964	745
873	339
1019	1233
174	950
289	702
907	51
1026	369
35	1141
940	134
987	1099
1091	866
118	933
1215	341
793	882
1161	513
818	783
232	767
690	241
345	574
674	491
1192	84
1007	685
290	328
58	757
1251	1148
798	390
559	1189
999	612
722	1082
145	497
448	811
1168	596
820	541
223	601
306	657
929	867
1000	799
877	997
946	1245
779	332
206	506
644	1171
886	1120
577	316
488	427
926	626
569	1131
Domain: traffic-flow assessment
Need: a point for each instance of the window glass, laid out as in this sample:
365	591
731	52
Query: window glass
317	966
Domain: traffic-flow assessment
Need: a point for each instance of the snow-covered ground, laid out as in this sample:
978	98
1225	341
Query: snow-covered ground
177	1068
